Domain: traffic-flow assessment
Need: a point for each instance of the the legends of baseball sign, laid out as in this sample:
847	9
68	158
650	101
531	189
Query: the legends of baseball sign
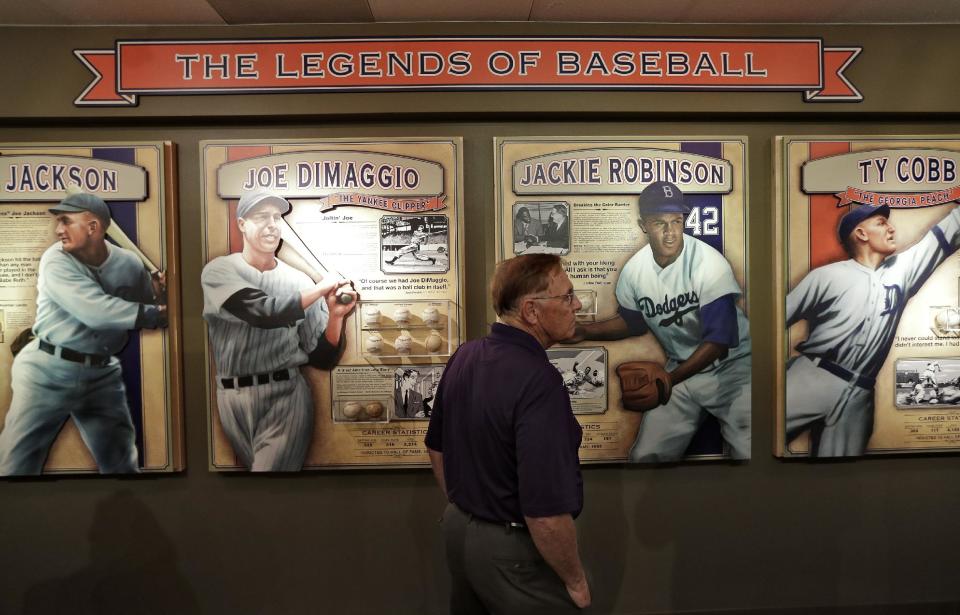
176	67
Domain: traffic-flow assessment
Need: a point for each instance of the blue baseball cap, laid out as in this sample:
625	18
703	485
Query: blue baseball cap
82	201
662	198
855	216
249	200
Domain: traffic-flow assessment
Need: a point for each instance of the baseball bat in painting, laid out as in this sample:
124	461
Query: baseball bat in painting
293	240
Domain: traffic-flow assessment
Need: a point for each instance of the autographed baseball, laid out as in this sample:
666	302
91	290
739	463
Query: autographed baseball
948	318
351	409
374	342
431	316
403	341
371	315
586	301
374	409
434	341
401	315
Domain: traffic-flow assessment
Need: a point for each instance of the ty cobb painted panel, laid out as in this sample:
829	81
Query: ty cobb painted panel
333	298
89	309
869	312
652	233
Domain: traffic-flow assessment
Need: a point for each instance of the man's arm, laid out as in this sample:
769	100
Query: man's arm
705	354
556	540
436	464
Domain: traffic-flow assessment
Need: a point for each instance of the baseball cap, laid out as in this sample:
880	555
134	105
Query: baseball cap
253	198
83	201
855	216
662	198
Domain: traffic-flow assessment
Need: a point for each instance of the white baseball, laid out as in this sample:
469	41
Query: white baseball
374	342
401	315
374	409
403	341
948	318
431	316
351	409
434	341
371	315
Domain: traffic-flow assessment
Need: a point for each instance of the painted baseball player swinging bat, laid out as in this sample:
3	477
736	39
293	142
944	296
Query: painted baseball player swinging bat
292	239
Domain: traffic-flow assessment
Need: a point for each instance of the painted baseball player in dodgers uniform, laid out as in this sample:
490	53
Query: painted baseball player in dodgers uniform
852	309
89	294
684	292
265	319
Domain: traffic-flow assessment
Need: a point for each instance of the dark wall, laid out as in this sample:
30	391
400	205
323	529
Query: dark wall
766	535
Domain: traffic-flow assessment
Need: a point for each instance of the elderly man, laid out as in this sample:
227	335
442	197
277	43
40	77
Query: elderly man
503	443
852	309
265	320
90	293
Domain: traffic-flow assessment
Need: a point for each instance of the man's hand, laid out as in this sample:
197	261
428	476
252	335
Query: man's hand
333	290
580	593
556	540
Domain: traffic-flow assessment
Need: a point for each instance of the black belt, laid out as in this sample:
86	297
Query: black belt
864	382
248	381
508	525
93	360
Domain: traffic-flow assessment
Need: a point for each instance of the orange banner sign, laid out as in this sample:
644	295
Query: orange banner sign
897	201
136	68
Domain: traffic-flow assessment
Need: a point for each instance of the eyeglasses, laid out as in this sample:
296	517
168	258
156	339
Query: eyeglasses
567	297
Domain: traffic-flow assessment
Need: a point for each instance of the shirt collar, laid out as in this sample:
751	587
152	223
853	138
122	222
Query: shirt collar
512	335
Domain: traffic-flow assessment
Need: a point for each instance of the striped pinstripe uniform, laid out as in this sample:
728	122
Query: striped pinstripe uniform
264	402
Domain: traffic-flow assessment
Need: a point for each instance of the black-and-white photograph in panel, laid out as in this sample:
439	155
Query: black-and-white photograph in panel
541	226
414	389
928	383
584	372
414	244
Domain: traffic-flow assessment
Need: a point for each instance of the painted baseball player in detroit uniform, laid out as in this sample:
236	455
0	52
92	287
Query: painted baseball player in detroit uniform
265	319
684	292
89	294
852	309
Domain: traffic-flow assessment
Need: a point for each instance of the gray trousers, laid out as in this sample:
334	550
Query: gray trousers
497	570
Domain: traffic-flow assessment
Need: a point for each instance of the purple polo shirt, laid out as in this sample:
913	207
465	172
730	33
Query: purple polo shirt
503	421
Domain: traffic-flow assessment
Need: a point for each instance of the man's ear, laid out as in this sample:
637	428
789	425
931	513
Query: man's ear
641	225
528	312
860	233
